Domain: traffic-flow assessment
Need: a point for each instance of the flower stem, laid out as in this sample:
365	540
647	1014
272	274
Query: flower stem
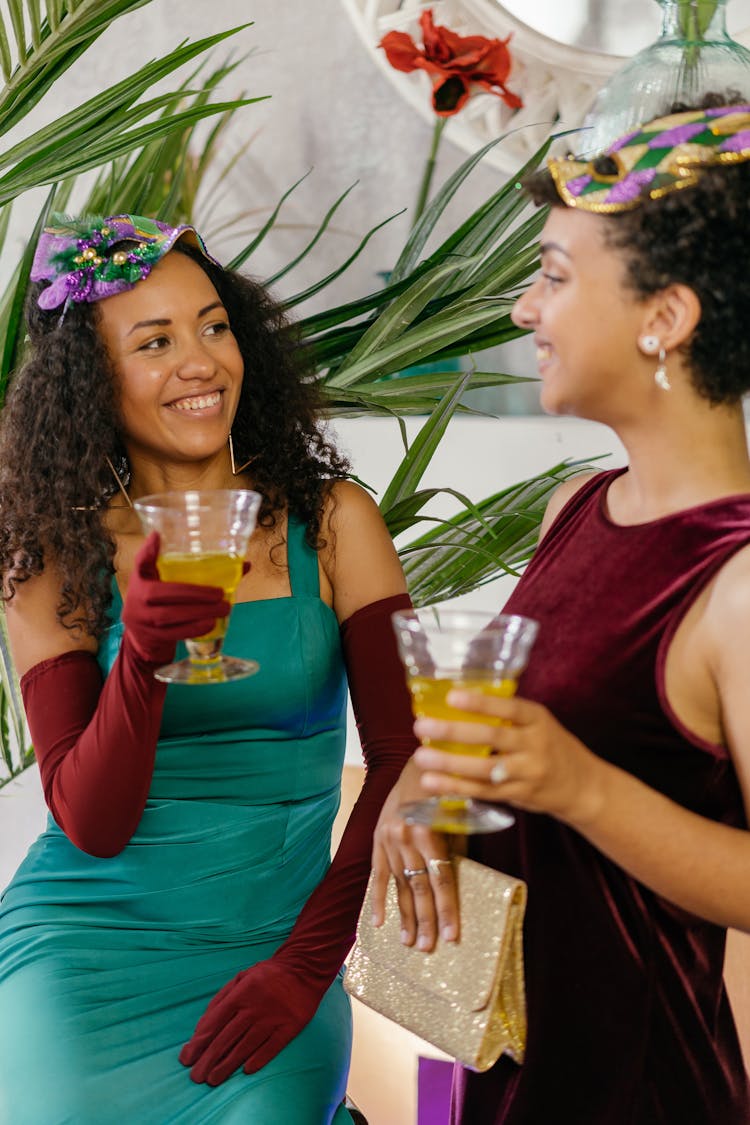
696	16
429	168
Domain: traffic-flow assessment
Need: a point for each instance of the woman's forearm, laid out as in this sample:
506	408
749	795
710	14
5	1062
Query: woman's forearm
696	863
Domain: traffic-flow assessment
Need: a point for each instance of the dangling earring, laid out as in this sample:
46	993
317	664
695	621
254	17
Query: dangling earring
651	345
660	375
120	485
235	471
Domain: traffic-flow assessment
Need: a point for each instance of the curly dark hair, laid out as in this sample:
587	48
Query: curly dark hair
61	424
699	237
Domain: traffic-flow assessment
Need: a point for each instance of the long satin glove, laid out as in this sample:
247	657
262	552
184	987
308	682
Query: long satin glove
95	743
263	1008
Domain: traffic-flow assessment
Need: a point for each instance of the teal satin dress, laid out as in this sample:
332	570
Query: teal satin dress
106	965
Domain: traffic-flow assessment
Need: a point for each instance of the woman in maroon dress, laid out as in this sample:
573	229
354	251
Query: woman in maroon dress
627	754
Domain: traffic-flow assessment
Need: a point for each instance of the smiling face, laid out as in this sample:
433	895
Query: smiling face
177	363
586	321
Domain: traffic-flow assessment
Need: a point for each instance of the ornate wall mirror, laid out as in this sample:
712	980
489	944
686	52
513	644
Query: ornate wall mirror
563	51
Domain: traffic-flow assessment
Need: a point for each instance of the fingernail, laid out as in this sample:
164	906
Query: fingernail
448	933
375	920
405	937
423	942
426	726
457	698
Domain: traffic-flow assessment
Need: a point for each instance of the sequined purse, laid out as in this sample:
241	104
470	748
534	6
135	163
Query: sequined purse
466	998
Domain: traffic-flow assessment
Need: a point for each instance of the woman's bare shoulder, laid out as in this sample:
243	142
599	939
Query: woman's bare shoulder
34	628
359	557
559	499
346	498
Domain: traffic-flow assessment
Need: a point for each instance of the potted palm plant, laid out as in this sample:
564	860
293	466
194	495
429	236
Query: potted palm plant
440	302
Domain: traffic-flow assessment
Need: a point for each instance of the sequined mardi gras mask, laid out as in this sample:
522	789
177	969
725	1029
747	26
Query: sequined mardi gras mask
92	258
663	155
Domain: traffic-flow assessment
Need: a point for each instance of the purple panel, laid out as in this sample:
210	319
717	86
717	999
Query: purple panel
433	1091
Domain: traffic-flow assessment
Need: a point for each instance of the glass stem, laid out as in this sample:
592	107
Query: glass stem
204	650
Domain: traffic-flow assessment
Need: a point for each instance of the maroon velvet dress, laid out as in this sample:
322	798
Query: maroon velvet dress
628	1019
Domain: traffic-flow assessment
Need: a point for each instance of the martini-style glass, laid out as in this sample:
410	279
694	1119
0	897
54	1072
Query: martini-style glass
471	650
204	536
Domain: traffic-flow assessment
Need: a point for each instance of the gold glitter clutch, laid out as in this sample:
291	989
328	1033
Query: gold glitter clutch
466	998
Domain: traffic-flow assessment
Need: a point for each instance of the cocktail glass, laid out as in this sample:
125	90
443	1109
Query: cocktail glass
471	650
204	536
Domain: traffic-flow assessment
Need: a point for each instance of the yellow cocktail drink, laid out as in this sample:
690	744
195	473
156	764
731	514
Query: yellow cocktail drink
209	569
428	700
428	697
203	536
444	649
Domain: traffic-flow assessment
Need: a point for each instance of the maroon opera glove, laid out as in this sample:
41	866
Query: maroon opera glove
263	1008
157	614
249	1021
95	741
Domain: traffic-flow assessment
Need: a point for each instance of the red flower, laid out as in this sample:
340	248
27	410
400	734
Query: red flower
455	62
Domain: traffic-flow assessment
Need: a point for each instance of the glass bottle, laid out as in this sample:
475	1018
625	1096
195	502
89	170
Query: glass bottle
693	55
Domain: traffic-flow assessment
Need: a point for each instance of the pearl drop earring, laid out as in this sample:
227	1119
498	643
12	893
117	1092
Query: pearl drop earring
660	375
651	345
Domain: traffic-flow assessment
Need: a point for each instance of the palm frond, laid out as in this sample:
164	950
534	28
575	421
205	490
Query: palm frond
418	394
55	44
414	464
11	318
465	552
15	749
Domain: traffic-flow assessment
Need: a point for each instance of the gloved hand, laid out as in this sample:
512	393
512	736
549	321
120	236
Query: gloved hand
249	1021
157	614
254	1016
95	742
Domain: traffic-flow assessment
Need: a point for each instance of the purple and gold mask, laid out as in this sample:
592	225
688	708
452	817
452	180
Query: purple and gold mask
664	155
92	258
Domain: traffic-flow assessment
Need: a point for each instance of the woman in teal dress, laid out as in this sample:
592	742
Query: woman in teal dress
171	946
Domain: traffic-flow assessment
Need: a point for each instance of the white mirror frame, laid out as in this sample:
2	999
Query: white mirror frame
557	82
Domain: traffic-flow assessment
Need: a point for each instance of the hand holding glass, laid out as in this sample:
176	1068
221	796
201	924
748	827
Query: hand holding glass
204	537
446	649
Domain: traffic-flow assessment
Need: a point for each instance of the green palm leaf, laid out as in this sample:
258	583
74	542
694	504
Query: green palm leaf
56	43
418	395
417	458
11	318
469	550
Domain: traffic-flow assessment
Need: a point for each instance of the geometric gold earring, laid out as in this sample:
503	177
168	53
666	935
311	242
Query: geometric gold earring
236	471
120	485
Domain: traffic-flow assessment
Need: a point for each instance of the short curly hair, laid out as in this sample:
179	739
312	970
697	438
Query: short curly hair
61	425
699	237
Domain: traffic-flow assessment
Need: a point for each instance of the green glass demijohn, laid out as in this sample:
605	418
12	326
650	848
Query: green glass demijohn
693	55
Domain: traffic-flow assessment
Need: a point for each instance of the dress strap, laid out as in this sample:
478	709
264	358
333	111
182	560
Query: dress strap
304	578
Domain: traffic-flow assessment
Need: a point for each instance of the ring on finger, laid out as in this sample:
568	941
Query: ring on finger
435	865
410	872
499	772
